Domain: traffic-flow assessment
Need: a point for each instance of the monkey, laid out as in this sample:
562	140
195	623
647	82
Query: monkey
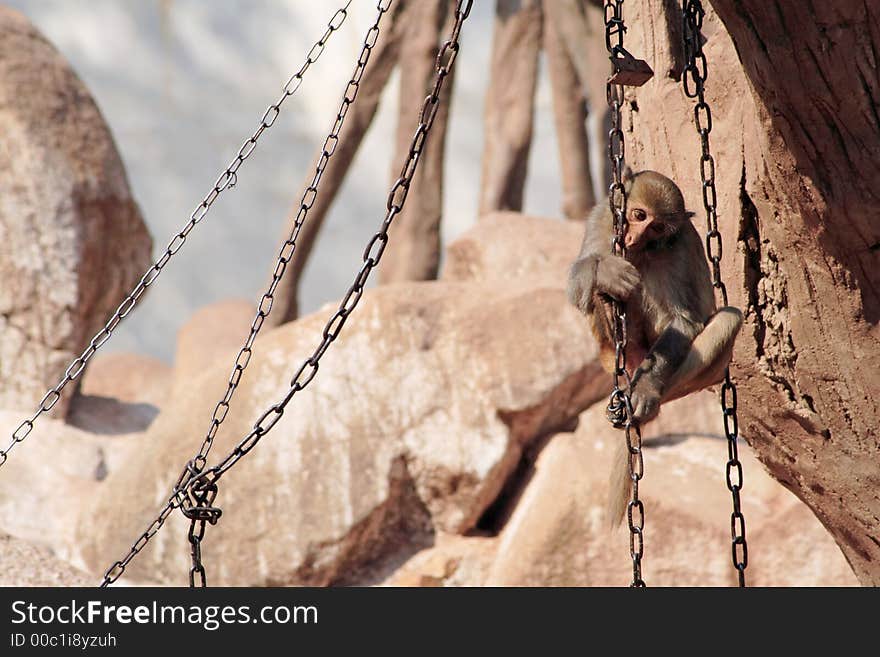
677	341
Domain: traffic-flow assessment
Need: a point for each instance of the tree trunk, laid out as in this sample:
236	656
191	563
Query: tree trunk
510	99
794	91
586	46
569	104
358	120
415	233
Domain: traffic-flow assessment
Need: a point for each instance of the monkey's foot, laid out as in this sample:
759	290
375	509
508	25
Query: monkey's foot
645	406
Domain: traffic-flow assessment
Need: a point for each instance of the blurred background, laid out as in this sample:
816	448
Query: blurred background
182	83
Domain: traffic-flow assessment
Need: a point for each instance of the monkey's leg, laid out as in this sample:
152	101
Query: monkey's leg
709	355
651	378
705	362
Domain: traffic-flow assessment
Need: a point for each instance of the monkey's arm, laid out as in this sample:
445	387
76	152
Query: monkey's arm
596	271
603	274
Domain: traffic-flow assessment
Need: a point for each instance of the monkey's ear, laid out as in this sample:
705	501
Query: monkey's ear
627	175
689	215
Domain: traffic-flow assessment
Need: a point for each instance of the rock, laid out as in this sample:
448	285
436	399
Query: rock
212	335
120	393
72	242
558	534
130	378
109	416
451	561
23	564
52	481
509	246
420	413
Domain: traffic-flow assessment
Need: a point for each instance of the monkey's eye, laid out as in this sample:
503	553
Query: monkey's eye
639	214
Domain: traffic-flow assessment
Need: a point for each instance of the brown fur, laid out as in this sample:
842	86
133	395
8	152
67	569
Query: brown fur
676	342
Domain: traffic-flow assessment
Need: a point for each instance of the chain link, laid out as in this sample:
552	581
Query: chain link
192	479
115	571
197	571
620	410
694	80
227	180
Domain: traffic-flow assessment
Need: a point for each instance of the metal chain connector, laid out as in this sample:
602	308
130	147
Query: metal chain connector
193	477
620	410
694	80
225	181
200	514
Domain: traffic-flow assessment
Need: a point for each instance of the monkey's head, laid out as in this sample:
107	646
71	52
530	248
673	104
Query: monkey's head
655	212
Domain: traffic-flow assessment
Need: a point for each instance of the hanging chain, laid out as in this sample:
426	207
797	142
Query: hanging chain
194	505
620	410
226	181
264	308
694	80
195	535
192	484
288	248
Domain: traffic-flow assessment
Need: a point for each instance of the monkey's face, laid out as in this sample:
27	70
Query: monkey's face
648	230
655	213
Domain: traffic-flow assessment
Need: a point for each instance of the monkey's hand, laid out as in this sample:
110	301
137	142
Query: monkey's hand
608	274
646	394
616	277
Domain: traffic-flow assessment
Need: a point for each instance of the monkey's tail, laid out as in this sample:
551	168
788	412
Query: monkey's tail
619	485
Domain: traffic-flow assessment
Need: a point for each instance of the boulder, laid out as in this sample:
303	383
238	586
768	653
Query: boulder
212	335
420	413
54	476
120	393
72	241
23	564
450	561
558	535
509	246
130	378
